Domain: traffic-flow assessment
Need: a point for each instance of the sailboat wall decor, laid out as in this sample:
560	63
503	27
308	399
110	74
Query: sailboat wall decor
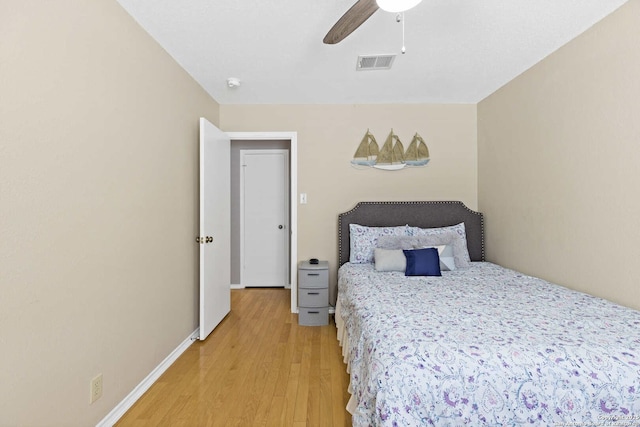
367	151
392	155
417	153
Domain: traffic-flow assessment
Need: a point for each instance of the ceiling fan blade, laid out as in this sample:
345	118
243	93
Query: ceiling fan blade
352	19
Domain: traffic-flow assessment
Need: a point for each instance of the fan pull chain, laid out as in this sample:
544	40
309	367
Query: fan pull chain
400	18
403	48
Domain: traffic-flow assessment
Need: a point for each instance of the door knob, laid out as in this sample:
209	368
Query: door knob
281	227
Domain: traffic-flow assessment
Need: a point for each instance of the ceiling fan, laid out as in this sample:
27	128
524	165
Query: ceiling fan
360	12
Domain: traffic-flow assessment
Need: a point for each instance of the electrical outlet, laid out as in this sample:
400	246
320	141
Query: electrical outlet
95	389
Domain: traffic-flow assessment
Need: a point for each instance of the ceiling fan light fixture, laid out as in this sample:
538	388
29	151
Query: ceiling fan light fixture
396	6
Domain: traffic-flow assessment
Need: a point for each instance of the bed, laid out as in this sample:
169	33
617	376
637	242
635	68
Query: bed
480	345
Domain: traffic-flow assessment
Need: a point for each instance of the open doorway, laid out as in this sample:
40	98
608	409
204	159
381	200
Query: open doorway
247	144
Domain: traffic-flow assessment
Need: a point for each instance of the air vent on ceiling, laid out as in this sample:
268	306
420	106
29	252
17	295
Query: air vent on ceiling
375	62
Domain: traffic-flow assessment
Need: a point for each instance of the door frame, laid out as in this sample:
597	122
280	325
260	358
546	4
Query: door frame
292	137
287	202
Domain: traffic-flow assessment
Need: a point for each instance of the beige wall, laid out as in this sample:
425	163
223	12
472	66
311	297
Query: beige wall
558	154
328	136
98	207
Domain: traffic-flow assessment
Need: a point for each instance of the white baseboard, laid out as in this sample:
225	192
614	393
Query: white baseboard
122	407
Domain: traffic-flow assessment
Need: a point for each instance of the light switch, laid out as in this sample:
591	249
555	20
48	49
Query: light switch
303	198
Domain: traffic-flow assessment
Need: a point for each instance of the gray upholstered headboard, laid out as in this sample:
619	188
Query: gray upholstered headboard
416	214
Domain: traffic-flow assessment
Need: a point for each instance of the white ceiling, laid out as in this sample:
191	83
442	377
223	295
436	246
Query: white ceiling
458	51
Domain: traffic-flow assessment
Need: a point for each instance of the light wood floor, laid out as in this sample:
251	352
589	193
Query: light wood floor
257	368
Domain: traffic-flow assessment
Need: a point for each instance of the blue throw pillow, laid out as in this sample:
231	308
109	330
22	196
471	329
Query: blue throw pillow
422	262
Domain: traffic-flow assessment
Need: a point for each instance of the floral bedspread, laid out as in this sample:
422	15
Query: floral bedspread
486	346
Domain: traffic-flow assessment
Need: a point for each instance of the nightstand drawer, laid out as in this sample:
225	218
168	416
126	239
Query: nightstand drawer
313	297
313	316
313	278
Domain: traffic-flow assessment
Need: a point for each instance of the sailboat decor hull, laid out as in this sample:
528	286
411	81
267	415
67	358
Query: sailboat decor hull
390	167
363	162
416	162
392	155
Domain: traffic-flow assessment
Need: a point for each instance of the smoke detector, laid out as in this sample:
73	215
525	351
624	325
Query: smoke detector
233	82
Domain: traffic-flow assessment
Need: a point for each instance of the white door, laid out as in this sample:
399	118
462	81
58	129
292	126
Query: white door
264	210
214	239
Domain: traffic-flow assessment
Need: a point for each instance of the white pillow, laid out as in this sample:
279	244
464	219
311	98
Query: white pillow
445	252
390	260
